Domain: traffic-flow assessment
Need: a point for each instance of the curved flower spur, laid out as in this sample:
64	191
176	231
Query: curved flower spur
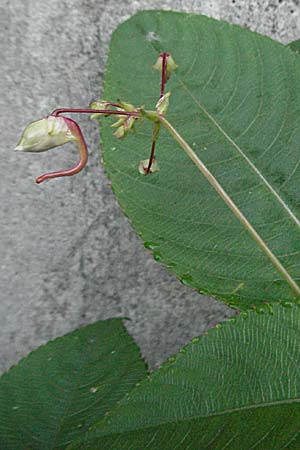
56	129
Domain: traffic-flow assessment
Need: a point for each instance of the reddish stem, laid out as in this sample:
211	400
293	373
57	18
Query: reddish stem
164	79
83	153
154	139
152	156
59	111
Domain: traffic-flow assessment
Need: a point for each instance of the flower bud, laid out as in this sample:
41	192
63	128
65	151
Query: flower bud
170	64
119	122
127	106
163	103
101	104
143	166
129	123
46	133
120	132
124	124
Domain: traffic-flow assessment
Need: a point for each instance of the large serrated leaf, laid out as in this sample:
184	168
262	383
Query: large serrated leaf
238	387
56	393
236	101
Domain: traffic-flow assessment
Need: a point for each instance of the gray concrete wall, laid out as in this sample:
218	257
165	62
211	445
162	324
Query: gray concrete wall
68	254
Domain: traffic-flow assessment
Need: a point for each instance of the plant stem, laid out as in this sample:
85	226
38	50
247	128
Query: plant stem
108	112
229	202
156	128
164	57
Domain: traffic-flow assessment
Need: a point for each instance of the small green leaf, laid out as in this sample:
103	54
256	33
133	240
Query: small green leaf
237	387
61	389
236	101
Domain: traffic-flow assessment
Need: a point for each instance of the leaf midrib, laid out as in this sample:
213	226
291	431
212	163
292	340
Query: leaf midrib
198	416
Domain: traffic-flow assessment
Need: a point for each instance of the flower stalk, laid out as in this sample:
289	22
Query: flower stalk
156	128
166	64
108	112
164	57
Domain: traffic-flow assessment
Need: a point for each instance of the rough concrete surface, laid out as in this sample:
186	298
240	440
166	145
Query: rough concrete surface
68	254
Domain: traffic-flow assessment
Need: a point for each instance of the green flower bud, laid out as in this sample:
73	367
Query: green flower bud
101	104
170	64
46	133
119	122
129	123
163	103
124	125
120	132
143	166
126	106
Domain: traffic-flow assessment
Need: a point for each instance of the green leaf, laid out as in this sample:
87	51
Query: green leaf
237	387
61	389
235	99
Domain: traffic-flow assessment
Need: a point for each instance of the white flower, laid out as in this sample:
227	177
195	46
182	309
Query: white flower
46	133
